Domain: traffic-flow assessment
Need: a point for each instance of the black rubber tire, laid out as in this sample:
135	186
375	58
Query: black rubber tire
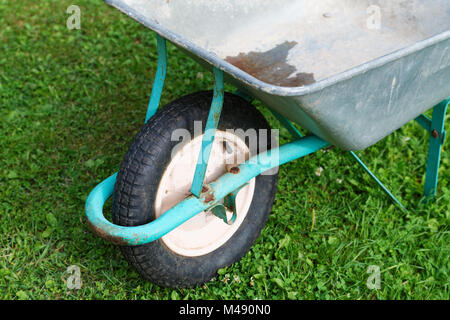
141	172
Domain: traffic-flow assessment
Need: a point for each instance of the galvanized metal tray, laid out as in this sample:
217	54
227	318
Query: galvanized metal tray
350	71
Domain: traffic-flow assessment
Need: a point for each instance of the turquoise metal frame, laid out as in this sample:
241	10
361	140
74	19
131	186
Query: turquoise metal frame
210	130
435	127
160	77
296	134
209	196
213	193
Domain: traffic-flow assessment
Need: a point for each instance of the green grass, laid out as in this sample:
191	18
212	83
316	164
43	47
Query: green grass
71	102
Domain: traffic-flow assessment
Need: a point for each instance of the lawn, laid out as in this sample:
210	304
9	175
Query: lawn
71	102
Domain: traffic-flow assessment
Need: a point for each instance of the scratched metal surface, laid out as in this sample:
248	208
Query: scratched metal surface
322	64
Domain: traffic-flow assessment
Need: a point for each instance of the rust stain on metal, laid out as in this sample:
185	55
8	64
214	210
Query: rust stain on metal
102	234
208	194
271	66
234	170
209	197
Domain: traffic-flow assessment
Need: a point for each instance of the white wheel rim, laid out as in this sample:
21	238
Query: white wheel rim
205	232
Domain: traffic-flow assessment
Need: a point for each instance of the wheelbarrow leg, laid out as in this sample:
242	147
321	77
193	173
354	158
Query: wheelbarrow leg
160	76
437	138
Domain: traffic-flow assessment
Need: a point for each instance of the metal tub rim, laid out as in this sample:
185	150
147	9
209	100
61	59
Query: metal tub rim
266	87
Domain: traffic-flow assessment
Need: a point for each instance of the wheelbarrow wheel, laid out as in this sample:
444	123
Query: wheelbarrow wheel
157	172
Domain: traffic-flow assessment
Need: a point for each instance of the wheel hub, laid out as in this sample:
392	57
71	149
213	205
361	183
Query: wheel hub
206	231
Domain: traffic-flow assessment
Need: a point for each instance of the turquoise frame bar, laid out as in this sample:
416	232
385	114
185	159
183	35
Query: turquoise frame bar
435	127
160	77
191	206
287	124
210	130
378	181
424	122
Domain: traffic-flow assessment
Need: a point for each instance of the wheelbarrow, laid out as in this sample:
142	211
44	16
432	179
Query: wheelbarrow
198	182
